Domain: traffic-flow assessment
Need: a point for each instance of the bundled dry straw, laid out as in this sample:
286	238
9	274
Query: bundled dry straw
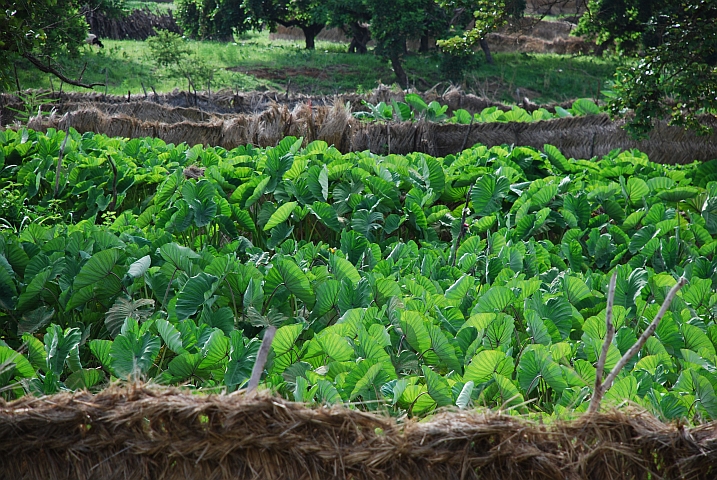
139	432
263	119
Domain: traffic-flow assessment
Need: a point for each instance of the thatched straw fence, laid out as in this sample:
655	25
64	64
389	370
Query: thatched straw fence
144	433
137	25
230	119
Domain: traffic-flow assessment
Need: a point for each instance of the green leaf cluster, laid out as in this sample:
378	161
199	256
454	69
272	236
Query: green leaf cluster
405	283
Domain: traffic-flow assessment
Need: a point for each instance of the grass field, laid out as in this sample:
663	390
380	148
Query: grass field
254	62
161	7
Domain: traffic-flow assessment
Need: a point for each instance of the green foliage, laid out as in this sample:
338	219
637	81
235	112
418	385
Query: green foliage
416	108
675	74
214	19
488	16
382	298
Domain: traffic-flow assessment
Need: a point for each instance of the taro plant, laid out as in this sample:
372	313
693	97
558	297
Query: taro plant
401	283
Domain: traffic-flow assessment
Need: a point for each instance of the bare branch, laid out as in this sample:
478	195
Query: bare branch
261	358
632	351
646	334
48	69
609	333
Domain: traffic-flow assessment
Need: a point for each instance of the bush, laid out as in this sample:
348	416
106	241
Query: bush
168	48
456	65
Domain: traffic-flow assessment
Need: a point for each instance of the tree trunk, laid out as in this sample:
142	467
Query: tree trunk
424	44
310	33
486	50
401	76
360	38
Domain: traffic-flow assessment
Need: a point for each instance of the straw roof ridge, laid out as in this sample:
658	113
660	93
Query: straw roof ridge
142	431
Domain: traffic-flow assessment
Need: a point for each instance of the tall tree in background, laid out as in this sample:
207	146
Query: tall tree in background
310	16
39	31
43	31
392	26
353	18
488	16
675	73
212	19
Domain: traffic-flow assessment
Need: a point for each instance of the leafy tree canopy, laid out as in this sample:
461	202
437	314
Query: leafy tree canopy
488	15
675	74
212	19
40	30
309	15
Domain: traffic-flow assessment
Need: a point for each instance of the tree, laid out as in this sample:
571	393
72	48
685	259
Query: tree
488	16
39	31
212	19
310	16
353	18
675	72
392	27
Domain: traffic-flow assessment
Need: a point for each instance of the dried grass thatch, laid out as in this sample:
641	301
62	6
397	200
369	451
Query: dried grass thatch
263	119
139	432
139	24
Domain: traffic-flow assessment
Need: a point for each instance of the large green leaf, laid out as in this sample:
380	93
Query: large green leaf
364	379
458	291
171	336
21	367
280	215
179	256
241	360
335	347
100	266
327	215
200	198
195	293
487	362
415	330
59	345
488	193
499	333
437	387
84	379
535	365
286	273
509	394
443	350
494	300
628	289
285	338
343	269
132	356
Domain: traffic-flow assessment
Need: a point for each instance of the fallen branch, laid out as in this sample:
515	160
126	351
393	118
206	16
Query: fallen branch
602	387
49	69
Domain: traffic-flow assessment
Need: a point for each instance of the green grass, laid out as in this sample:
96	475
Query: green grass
160	7
254	62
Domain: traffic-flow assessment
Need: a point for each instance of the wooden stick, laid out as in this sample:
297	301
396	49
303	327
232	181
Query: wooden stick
261	358
610	332
632	351
646	334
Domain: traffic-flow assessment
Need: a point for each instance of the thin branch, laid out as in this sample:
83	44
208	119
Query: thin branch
261	358
646	334
609	333
632	351
48	69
